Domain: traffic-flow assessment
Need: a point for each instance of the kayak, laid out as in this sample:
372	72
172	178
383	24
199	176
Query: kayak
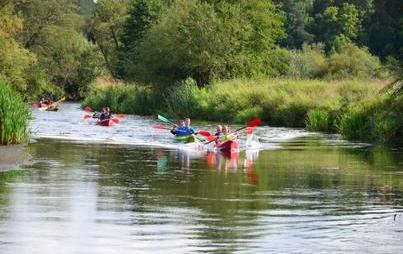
53	106
186	138
105	122
48	108
231	146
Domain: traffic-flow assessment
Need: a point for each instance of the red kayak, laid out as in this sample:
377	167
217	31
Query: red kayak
231	146
106	122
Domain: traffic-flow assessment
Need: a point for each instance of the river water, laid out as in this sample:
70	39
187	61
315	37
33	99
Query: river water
130	188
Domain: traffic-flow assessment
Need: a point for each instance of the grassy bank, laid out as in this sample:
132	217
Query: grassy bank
354	108
379	120
14	116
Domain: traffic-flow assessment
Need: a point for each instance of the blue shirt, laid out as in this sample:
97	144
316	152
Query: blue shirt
183	131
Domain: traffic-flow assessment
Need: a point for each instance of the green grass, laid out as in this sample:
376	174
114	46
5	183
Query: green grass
14	116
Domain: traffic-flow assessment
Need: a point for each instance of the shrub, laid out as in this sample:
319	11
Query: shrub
184	100
14	116
379	120
351	61
310	62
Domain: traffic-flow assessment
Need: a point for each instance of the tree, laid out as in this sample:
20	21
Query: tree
297	20
69	59
107	28
336	23
15	61
39	15
204	41
142	14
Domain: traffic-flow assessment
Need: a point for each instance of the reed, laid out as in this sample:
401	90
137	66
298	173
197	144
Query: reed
14	116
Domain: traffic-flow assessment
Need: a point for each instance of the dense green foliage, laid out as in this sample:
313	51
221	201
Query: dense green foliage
316	104
379	120
43	47
65	44
14	116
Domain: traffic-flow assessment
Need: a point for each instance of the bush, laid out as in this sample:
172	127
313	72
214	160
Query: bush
308	63
185	99
379	120
14	116
351	61
122	98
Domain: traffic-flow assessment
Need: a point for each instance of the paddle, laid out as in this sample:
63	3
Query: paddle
115	120
161	127
88	109
166	120
253	123
52	105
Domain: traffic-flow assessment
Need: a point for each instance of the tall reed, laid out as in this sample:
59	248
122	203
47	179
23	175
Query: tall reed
14	116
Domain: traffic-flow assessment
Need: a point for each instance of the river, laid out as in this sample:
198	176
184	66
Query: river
130	188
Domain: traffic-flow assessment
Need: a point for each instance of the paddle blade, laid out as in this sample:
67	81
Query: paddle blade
161	127
255	122
115	120
161	118
88	109
120	116
205	133
87	116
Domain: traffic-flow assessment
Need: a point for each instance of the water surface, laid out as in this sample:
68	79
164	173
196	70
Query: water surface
303	193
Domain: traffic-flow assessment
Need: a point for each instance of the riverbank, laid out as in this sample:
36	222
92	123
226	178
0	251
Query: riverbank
317	105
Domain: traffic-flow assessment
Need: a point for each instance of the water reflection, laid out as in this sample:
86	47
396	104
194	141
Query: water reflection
306	197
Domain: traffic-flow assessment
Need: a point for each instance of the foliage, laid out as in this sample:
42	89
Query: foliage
107	26
39	15
122	98
310	62
141	15
279	102
348	60
380	121
337	22
196	40
14	116
68	58
14	59
317	120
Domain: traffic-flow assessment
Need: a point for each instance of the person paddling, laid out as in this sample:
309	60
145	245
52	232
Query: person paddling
179	130
225	136
188	129
108	113
218	131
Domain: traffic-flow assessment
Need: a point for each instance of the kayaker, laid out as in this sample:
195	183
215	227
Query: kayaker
226	135
188	129
98	114
179	130
218	131
108	113
104	115
43	102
